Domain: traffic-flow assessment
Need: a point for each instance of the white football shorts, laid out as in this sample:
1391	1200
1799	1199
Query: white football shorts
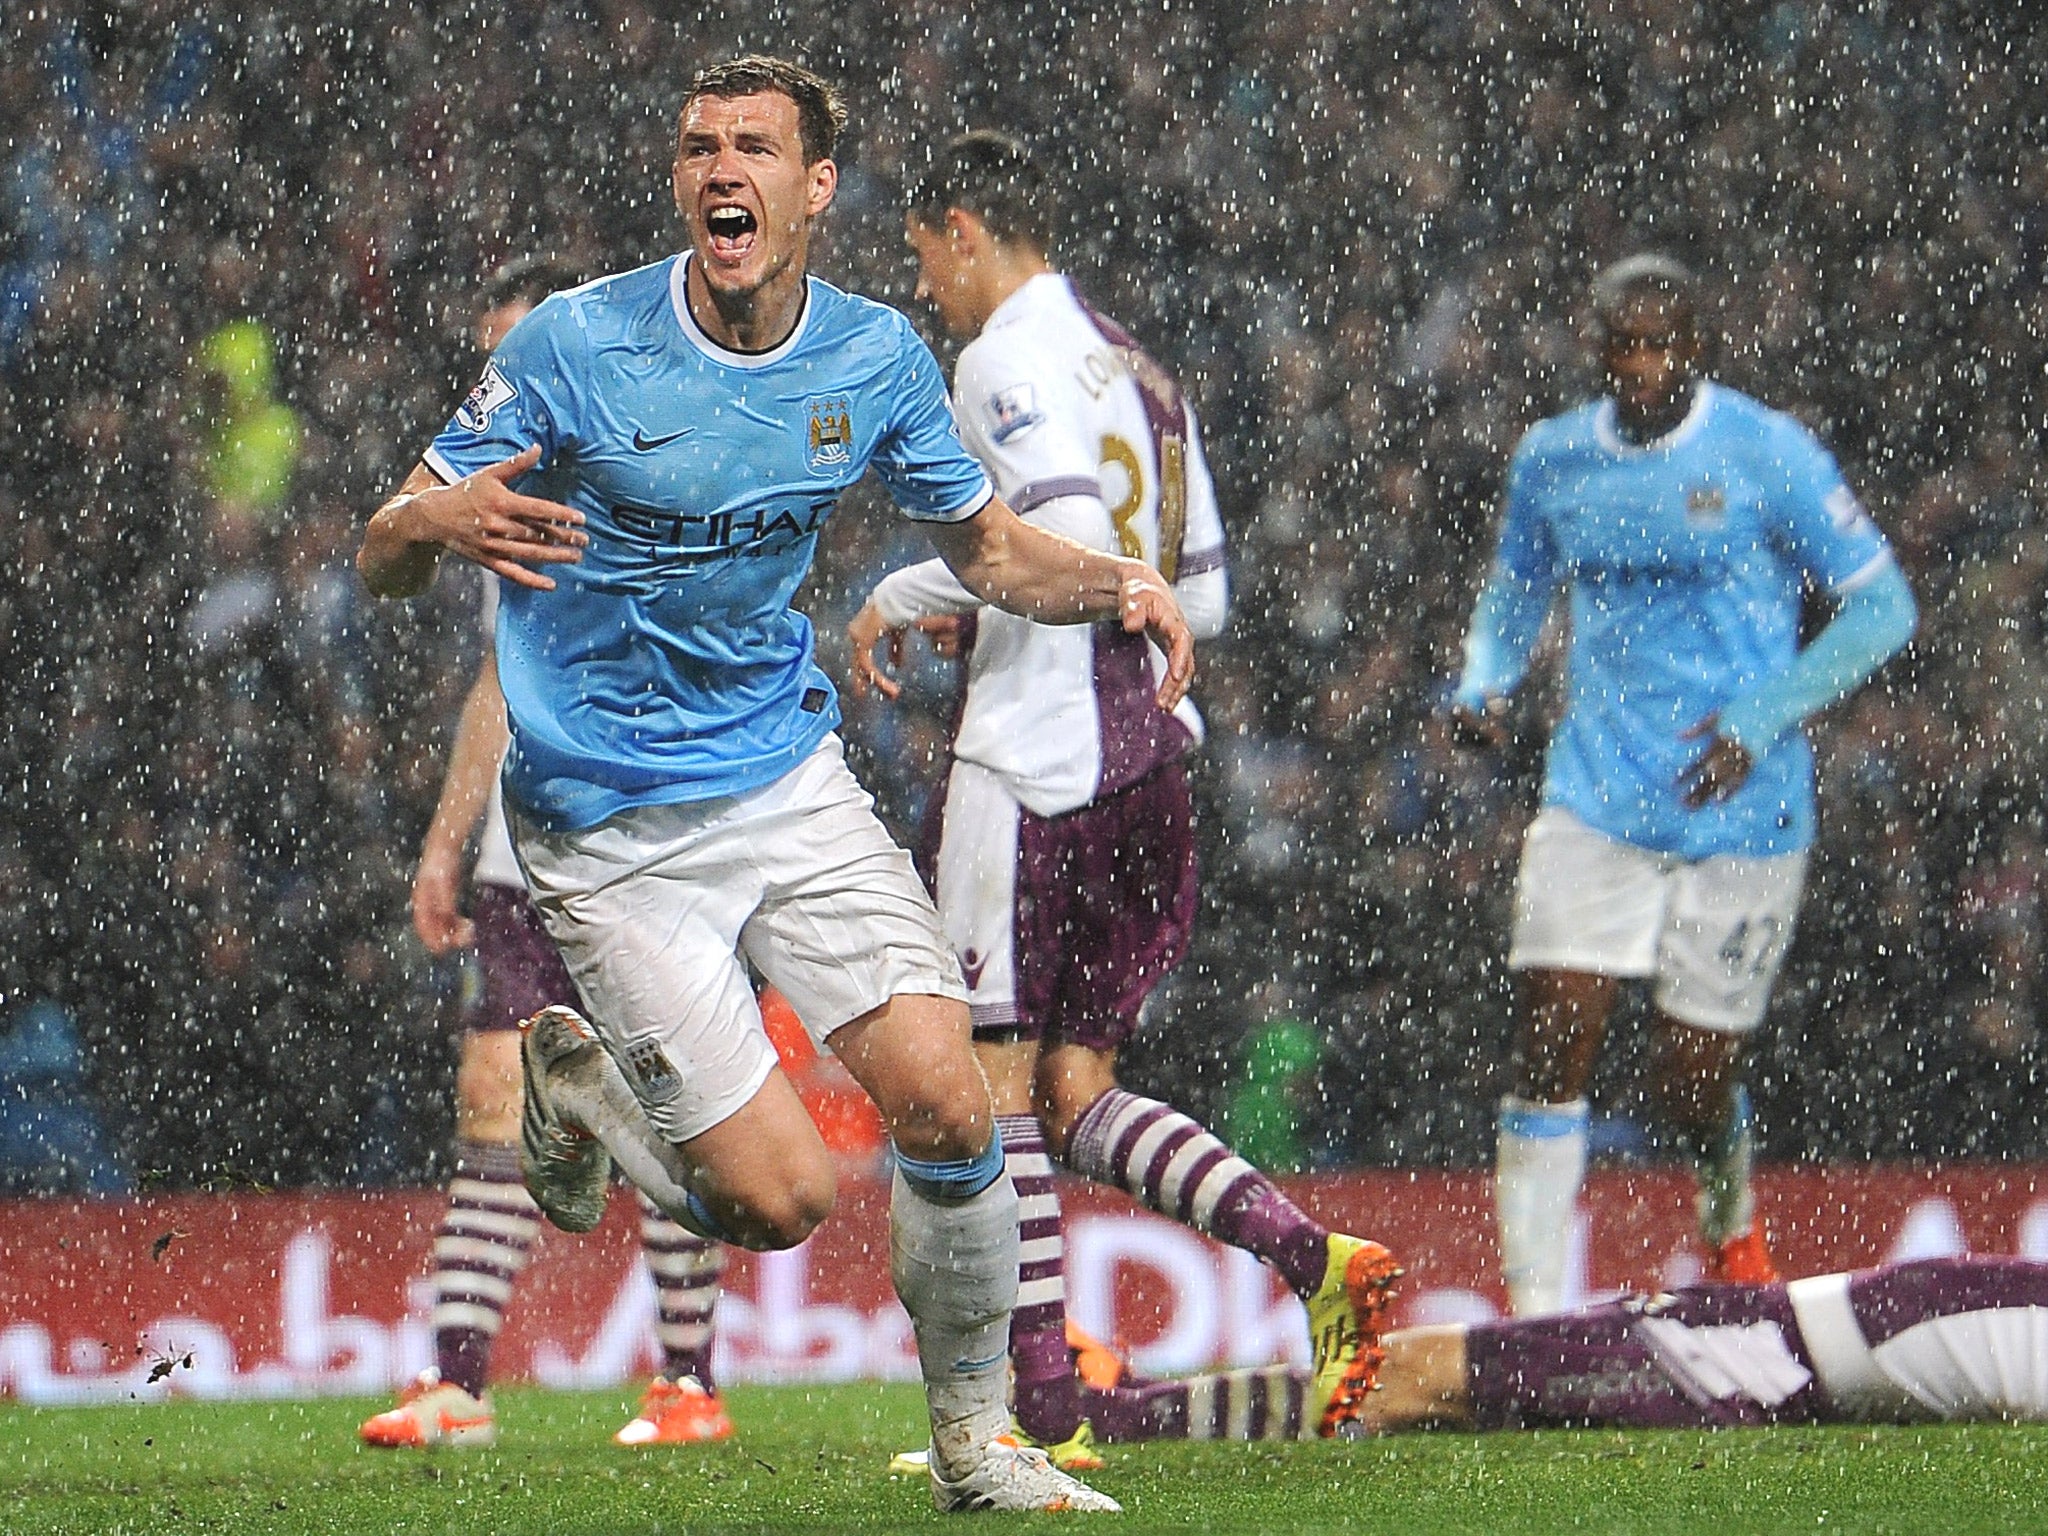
653	908
1712	932
977	888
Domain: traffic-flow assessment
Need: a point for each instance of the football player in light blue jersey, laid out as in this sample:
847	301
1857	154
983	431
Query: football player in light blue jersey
670	665
486	1234
646	464
1683	518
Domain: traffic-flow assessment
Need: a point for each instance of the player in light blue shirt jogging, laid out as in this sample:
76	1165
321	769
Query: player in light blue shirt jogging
646	464
1683	518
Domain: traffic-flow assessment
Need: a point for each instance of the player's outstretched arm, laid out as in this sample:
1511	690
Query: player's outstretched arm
1004	560
480	741
480	517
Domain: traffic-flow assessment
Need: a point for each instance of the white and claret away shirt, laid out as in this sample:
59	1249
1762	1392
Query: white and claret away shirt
1085	435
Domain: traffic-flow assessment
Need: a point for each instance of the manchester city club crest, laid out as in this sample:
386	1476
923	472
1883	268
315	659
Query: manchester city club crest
830	432
658	1076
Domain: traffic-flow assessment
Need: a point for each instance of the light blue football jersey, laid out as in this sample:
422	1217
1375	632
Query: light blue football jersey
1684	560
668	665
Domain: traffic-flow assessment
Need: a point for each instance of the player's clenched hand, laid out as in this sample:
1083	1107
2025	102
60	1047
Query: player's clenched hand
1483	726
1717	772
1149	605
869	673
481	518
945	633
436	911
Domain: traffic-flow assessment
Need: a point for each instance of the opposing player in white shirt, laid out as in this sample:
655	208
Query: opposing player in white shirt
486	1234
1066	874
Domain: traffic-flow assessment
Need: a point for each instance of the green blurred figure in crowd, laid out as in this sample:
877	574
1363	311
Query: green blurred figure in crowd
1266	1111
254	440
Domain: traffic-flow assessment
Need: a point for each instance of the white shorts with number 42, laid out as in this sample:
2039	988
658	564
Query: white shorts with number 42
1712	932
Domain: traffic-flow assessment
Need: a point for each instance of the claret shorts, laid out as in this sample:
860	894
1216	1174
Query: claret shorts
1064	925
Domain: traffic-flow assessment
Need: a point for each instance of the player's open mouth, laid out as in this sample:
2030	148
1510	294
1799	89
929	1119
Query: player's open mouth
731	230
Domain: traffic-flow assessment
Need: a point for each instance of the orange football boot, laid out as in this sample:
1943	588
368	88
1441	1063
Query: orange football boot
677	1412
1744	1260
1346	1316
1100	1368
432	1412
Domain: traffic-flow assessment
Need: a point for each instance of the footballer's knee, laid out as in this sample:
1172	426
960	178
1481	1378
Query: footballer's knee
791	1220
1069	1081
763	1175
1555	1061
766	1219
1564	1020
945	1118
805	1204
1059	1110
913	1056
1698	1075
1698	1108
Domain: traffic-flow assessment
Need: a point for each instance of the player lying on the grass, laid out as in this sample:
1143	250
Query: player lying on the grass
1066	870
1931	1339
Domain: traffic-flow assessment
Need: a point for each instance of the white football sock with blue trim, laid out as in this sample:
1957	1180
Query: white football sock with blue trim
954	1261
1540	1162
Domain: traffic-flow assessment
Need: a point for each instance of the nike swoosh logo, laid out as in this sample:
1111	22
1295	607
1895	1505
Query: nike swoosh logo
643	442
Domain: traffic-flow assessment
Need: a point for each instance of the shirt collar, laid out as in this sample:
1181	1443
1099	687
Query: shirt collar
679	301
1607	424
1041	288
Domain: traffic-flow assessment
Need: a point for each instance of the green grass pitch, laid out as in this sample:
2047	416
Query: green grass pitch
813	1459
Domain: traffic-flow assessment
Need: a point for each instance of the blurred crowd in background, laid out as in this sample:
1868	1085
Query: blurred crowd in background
238	253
